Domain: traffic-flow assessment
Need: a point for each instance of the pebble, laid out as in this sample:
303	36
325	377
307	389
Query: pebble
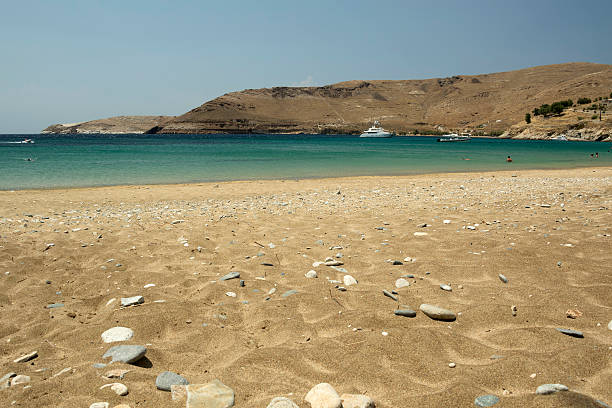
26	357
420	234
117	334
311	274
401	283
125	354
356	401
610	325
118	373
572	333
349	280
514	310
242	283
452	365
99	405
446	288
55	305
546	389
5	381
486	400
573	313
437	313
167	379
397	263
231	275
118	388
405	313
130	301
389	295
334	263
289	293
149	285
215	394
281	402
230	294
323	396
19	379
503	278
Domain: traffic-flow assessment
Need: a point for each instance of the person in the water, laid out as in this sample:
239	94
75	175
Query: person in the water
509	159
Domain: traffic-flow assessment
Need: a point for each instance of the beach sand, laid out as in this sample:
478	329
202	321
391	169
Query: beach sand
548	232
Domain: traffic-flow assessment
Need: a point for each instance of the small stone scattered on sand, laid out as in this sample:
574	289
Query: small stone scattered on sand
437	313
117	334
389	295
26	357
281	402
311	274
546	389
446	288
486	400
405	312
130	301
323	396
349	280
167	379
401	283
118	388
502	278
231	275
572	333
356	401
125	354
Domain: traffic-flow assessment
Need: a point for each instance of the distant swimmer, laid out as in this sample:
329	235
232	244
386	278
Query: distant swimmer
509	159
597	155
466	158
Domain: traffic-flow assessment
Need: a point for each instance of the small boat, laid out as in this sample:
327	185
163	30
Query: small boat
454	137
24	141
560	137
376	131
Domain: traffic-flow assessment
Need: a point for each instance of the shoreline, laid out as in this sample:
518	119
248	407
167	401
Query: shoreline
323	178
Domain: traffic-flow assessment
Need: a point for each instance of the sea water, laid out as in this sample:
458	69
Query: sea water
98	160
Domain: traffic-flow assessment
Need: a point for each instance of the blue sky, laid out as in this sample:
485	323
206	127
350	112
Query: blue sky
69	61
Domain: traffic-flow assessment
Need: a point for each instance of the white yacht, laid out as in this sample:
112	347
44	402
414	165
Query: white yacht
376	131
560	137
454	137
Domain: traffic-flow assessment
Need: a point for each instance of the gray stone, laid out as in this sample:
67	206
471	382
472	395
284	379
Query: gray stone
231	275
572	333
486	400
215	394
401	283
546	389
356	401
389	295
289	293
125	354
503	278
167	379
19	379
311	274
437	313
134	300
397	263
26	357
446	287
281	402
117	334
5	381
98	365
405	313
602	404
55	305
323	396
349	280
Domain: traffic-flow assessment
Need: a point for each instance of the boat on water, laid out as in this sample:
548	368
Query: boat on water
26	141
454	137
376	131
560	137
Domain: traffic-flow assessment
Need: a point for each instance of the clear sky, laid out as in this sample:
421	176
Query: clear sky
69	61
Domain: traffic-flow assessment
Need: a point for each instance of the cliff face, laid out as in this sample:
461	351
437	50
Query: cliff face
489	102
118	124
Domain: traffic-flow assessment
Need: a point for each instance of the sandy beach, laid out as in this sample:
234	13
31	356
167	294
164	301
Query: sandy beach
547	232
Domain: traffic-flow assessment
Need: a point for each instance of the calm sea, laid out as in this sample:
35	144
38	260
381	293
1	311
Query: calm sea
97	160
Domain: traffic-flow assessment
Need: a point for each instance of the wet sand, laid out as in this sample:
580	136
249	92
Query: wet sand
548	232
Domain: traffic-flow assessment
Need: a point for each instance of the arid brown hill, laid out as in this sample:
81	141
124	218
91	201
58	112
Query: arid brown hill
489	103
117	124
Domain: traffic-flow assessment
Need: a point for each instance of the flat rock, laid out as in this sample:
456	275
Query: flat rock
167	379
231	275
356	401
446	288
118	388
118	373
5	381
610	325
99	405
546	389
349	280
502	278
437	313
125	354
323	396
26	357
572	333
130	301
486	400
281	402
334	263
401	283
289	293
55	305
117	334
405	313
215	394
311	274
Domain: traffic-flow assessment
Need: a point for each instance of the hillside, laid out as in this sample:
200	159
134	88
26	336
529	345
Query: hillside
489	103
117	124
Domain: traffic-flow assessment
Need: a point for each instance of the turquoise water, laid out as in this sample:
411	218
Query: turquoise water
96	160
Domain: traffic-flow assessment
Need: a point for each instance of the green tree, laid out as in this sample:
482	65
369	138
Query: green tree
528	118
